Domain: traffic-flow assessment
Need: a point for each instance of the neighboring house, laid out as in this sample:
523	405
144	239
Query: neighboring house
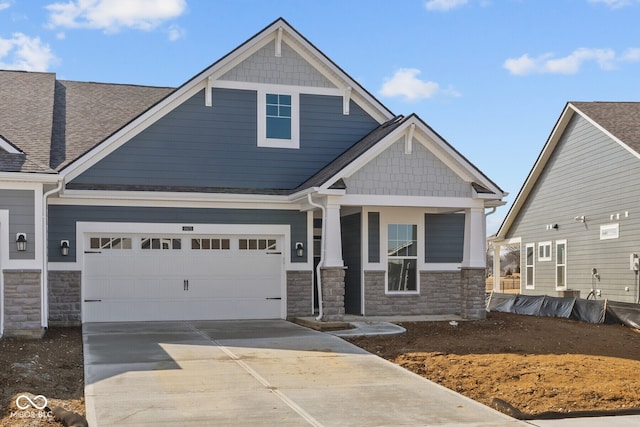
577	216
216	200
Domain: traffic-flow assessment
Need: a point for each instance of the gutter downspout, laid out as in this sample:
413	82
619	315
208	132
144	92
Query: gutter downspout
322	252
44	297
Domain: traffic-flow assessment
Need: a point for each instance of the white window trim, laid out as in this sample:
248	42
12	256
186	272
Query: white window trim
561	242
263	141
533	267
545	258
400	216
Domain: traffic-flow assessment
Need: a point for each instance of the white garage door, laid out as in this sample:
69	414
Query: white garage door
165	277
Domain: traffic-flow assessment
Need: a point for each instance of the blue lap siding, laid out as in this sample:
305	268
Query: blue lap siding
62	221
199	146
21	207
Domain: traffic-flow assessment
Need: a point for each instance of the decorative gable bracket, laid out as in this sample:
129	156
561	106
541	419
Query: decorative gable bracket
408	142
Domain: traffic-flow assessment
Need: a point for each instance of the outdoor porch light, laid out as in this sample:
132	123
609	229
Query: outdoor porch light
64	247
21	242
299	249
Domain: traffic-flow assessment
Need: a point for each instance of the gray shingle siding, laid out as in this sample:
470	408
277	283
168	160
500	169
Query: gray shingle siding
21	207
588	174
287	69
62	221
420	173
199	146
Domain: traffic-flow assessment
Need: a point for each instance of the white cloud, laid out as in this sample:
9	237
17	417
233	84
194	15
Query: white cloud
615	4
4	5
113	15
444	5
176	32
406	84
606	59
21	52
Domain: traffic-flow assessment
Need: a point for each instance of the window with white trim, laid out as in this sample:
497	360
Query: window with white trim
544	251
561	264
529	263
402	257
278	119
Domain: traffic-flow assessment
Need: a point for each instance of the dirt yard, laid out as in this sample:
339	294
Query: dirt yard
542	367
537	365
51	367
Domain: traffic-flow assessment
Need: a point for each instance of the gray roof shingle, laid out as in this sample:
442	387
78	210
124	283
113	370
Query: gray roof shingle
621	119
53	122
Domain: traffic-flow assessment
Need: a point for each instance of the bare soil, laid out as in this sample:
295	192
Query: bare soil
535	366
51	367
525	366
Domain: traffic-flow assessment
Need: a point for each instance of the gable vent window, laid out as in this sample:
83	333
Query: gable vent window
278	120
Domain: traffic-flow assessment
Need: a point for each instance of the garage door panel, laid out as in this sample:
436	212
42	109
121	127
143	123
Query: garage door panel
183	283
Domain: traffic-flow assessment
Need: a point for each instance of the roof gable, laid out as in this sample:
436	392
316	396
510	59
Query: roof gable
408	135
618	120
290	68
285	41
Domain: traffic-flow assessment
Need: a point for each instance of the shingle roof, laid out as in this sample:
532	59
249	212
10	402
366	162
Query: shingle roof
26	118
355	151
52	134
621	119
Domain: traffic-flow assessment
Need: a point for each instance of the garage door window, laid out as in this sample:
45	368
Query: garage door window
257	244
160	243
210	244
110	243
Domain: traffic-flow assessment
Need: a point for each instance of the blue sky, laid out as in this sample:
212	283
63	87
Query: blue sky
490	76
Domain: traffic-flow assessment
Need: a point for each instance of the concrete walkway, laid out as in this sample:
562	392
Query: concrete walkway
256	373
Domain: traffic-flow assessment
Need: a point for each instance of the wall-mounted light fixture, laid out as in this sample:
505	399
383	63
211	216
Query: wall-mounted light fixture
554	226
580	218
21	242
64	247
299	249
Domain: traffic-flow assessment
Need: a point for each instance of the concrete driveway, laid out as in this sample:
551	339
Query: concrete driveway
256	373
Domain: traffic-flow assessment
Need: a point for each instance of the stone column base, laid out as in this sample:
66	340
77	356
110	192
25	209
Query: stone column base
332	279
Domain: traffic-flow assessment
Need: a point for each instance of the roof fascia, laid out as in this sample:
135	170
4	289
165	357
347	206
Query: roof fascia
606	132
536	170
9	147
202	81
170	197
432	142
43	178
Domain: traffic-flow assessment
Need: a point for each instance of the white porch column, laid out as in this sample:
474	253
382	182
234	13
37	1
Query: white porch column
474	238
333	236
496	267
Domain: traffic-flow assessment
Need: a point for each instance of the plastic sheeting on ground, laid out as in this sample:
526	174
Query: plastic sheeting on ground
544	305
623	312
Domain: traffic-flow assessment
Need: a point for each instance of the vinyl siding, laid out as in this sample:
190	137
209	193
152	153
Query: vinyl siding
62	221
199	146
444	238
588	174
21	207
